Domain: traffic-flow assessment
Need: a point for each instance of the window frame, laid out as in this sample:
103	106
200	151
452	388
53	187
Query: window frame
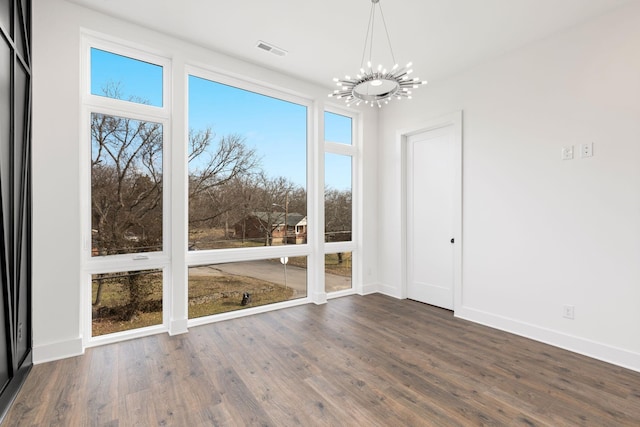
175	258
224	255
90	104
354	151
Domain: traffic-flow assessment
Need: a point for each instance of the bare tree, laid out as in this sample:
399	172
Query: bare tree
337	214
215	168
126	190
126	184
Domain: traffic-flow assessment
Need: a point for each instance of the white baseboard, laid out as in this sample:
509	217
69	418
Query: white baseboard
56	351
390	291
370	288
595	350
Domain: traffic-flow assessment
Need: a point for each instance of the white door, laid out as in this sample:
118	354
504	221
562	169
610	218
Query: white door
432	165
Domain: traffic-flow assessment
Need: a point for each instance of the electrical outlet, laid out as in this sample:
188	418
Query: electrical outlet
586	150
567	152
20	331
568	312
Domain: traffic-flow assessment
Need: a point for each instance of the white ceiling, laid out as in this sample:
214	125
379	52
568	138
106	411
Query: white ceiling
325	39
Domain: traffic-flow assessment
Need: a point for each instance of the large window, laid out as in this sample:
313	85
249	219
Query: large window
221	218
247	173
125	225
247	168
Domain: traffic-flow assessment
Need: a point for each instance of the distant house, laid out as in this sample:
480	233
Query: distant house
271	227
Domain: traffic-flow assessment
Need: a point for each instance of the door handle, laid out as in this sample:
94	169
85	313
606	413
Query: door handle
452	240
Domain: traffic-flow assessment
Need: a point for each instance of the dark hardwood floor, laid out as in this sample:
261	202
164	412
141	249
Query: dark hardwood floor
356	361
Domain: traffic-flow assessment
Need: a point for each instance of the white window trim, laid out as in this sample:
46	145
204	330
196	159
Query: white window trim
216	256
354	151
114	263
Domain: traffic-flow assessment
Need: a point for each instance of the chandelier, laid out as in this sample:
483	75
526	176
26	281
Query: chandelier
376	85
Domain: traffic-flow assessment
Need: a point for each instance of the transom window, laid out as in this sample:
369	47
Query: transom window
125	78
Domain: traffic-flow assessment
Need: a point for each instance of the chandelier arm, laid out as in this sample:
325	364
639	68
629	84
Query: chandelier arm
384	23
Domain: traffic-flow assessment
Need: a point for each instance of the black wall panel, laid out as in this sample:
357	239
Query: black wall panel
15	198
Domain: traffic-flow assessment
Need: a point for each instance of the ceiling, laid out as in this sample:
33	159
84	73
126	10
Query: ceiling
325	39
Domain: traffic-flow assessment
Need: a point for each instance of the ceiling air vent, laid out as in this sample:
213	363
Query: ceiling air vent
271	48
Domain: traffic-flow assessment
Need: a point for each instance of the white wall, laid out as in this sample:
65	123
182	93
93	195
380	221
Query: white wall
56	164
539	232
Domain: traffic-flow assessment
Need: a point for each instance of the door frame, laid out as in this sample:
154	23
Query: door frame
455	120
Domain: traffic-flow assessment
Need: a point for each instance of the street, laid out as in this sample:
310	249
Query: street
269	271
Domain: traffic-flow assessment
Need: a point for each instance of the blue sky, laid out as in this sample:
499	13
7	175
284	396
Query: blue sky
136	78
276	129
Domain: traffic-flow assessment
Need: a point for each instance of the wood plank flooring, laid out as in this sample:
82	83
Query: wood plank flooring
356	361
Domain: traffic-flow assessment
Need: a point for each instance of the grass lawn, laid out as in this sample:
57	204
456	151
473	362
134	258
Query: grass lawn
207	295
333	265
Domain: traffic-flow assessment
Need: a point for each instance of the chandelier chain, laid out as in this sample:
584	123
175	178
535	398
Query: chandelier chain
384	23
369	31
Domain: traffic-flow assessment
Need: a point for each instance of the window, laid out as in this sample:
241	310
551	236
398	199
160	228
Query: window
338	128
126	185
126	300
233	194
337	198
338	271
338	201
338	208
126	220
247	177
220	288
247	168
123	78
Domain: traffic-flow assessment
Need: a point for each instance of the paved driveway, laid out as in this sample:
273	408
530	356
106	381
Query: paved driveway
295	278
